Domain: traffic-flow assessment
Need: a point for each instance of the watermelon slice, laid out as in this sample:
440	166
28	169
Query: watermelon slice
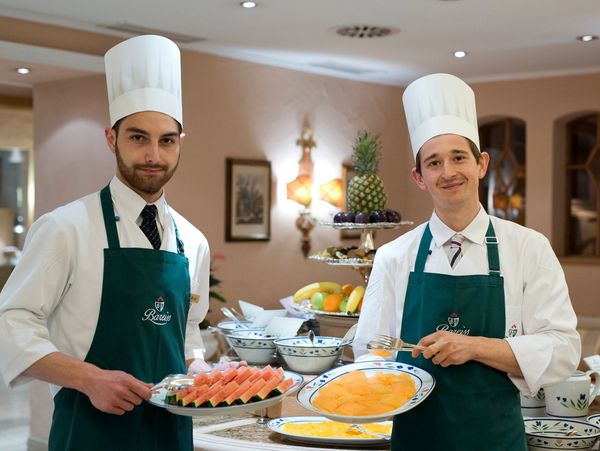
267	372
283	386
205	395
201	379
243	373
214	376
254	389
244	386
192	394
229	374
181	394
256	375
218	397
267	388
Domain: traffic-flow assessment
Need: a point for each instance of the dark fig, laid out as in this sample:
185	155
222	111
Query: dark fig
339	217
361	218
378	216
348	217
393	216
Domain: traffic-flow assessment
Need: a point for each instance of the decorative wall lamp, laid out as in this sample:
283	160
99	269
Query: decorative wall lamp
299	189
333	192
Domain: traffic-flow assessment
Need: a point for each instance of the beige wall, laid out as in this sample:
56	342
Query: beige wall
244	110
231	109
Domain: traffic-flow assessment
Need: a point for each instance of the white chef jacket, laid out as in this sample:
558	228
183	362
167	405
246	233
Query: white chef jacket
51	301
547	345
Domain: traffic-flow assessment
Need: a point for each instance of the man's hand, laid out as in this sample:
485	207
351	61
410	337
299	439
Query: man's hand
198	366
447	348
115	392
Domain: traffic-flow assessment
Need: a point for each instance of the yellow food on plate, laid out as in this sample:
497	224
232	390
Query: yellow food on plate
355	394
334	429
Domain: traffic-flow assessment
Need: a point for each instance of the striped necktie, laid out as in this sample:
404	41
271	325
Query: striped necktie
149	227
455	250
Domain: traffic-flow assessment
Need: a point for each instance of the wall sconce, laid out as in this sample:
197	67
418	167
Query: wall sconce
333	192
299	189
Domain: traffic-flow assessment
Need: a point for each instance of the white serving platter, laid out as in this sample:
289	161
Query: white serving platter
278	424
158	399
424	383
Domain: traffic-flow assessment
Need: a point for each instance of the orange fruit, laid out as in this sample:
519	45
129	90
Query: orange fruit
332	303
359	308
381	353
347	289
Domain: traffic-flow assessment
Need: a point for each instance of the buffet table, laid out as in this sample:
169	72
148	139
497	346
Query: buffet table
226	433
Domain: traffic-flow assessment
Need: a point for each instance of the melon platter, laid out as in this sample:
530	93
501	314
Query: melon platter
239	386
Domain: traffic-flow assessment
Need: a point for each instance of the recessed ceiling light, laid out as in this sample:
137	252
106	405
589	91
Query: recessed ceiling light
460	54
23	70
248	4
587	37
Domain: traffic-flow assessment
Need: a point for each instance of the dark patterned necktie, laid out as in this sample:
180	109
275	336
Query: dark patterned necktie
455	249
149	227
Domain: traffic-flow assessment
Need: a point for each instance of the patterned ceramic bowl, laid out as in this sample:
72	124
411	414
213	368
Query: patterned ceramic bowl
253	346
555	433
594	419
227	327
302	356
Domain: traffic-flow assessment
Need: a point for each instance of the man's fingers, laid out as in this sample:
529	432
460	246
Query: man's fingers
139	388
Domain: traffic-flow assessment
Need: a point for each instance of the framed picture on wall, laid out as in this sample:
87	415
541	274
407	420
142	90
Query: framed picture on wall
248	200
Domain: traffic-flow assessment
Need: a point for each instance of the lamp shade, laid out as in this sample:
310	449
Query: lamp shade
333	192
299	189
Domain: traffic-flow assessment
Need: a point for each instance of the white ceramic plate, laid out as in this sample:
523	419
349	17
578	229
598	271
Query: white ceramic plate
158	399
277	424
424	383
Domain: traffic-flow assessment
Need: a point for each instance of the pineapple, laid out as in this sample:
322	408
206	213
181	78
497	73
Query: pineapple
365	190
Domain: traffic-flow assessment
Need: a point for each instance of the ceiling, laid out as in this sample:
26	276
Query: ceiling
503	39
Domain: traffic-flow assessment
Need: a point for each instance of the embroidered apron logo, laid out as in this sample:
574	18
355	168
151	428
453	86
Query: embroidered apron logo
453	319
512	332
155	315
452	325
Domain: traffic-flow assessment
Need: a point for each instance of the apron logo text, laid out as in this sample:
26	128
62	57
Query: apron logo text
452	324
155	315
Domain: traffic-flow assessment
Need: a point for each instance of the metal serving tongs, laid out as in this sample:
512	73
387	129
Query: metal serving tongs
229	314
174	382
392	344
364	430
348	337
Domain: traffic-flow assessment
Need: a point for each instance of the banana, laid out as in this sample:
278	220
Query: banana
310	289
354	298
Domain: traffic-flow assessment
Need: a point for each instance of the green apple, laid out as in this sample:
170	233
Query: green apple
317	300
343	305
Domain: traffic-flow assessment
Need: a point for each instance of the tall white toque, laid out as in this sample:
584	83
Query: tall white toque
144	74
439	104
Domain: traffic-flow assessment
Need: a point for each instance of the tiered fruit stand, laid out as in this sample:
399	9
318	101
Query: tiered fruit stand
337	323
367	243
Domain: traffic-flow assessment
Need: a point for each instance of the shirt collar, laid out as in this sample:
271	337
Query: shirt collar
130	204
474	232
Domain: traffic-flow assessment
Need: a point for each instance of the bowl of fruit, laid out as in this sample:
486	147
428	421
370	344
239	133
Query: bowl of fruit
253	346
309	356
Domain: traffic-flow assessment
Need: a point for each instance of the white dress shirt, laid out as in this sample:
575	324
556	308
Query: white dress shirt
52	299
546	344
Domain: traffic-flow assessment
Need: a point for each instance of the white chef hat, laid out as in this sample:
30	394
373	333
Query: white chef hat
144	74
439	104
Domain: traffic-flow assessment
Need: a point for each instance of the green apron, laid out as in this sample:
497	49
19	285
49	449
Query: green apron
141	330
473	407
